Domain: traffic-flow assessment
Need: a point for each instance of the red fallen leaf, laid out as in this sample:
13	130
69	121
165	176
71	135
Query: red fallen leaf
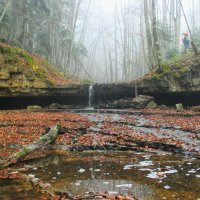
13	160
111	130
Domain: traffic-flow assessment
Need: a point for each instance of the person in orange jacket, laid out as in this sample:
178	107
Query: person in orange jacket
186	41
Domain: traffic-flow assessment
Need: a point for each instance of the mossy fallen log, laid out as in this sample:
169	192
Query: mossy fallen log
46	139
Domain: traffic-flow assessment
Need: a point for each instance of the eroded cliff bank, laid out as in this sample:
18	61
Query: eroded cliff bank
178	76
28	79
178	81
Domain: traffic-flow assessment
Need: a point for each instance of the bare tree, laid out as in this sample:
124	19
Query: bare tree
155	36
148	34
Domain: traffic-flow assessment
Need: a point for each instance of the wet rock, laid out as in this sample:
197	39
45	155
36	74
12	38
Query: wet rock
179	107
123	104
196	108
180	77
152	105
142	101
163	106
56	106
113	91
102	106
34	107
120	104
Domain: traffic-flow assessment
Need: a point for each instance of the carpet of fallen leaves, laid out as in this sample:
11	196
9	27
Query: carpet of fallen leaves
176	132
166	111
23	128
142	131
191	124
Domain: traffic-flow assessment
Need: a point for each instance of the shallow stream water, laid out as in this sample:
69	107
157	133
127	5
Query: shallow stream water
147	176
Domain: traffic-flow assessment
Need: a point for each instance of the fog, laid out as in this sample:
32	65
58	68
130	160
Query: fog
101	21
101	40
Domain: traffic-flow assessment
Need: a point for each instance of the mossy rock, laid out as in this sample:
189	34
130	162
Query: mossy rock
151	105
179	107
86	82
156	77
34	107
196	108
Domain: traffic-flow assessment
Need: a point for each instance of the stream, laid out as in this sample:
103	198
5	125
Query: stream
146	175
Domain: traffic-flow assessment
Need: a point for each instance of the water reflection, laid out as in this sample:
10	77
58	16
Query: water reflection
175	177
126	187
98	172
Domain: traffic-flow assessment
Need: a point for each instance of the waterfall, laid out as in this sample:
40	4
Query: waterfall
91	96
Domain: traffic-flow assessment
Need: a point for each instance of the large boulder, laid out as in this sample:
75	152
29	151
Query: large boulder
143	101
122	104
119	104
140	102
179	107
34	107
151	105
196	108
57	106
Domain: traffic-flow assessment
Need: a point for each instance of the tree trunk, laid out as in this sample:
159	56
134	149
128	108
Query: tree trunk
155	36
4	10
116	50
111	67
125	46
48	138
148	35
177	24
73	36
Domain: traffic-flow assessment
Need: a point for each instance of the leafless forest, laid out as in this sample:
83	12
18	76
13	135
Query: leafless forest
101	40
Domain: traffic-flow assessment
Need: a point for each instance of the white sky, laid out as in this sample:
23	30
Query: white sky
102	14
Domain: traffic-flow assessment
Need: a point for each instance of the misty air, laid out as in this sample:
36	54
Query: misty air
99	99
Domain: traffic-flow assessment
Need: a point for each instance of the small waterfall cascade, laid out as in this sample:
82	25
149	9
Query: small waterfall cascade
91	96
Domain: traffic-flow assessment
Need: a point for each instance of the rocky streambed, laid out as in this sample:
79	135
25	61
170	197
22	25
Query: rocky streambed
148	154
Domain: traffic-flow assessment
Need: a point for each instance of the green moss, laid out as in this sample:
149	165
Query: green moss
177	75
86	81
22	153
165	68
163	71
15	56
36	69
5	50
11	59
175	59
183	70
156	77
196	108
174	69
50	84
30	65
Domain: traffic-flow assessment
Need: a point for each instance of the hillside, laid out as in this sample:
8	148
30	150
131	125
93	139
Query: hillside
178	75
19	69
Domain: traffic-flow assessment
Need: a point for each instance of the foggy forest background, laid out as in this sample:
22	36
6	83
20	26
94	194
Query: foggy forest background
100	40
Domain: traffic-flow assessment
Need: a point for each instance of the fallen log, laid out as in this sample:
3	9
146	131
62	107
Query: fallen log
46	139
